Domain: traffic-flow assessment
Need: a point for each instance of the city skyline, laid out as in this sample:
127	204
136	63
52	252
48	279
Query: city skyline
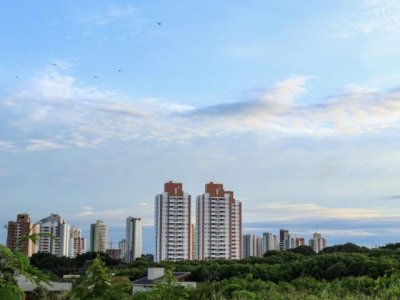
75	242
294	105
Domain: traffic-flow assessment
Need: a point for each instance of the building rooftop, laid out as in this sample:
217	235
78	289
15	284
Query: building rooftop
180	276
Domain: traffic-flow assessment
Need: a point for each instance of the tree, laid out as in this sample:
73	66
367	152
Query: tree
12	264
303	249
97	284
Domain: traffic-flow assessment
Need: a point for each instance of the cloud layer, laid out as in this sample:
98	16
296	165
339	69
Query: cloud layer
60	113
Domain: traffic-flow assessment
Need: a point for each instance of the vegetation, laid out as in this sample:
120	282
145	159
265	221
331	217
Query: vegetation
13	264
339	272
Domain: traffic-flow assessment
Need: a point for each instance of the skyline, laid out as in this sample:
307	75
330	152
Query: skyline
295	107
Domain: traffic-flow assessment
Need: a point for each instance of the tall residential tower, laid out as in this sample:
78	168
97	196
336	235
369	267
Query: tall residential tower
55	236
98	236
133	238
18	229
173	224
218	224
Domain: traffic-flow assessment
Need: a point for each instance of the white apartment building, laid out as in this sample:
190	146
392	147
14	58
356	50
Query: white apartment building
98	236
77	243
56	236
294	241
173	224
122	247
318	243
218	224
252	246
133	238
270	242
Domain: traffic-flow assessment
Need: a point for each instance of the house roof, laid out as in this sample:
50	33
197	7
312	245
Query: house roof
180	276
27	286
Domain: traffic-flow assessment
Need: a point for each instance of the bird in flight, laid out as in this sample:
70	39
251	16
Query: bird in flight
54	64
119	70
16	76
159	23
95	77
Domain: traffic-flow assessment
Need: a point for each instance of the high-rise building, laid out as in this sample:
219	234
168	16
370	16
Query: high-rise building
283	239
318	243
55	236
218	224
122	247
249	243
133	238
270	242
98	236
252	246
173	224
294	241
77	243
193	241
17	230
259	247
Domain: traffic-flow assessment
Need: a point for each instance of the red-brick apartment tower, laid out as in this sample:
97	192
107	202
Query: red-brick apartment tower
218	224
173	224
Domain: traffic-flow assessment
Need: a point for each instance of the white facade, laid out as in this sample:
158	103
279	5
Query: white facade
173	224
98	236
122	247
57	240
218	224
133	238
270	242
318	243
252	246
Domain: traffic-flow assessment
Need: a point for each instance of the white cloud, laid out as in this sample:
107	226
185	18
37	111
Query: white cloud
41	145
285	211
378	15
109	15
62	114
7	146
368	16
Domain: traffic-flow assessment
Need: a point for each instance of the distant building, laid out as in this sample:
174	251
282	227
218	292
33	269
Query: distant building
252	246
122	247
173	224
98	236
283	239
77	243
249	245
318	243
270	242
55	236
193	242
260	249
114	253
18	229
218	224
133	238
294	241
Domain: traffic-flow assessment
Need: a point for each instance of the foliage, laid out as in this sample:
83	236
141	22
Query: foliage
13	264
339	272
97	284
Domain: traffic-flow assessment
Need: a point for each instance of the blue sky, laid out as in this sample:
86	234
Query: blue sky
293	105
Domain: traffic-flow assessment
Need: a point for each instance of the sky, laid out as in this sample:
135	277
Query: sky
293	105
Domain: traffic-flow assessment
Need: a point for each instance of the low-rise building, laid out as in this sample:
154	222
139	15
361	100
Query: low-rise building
155	275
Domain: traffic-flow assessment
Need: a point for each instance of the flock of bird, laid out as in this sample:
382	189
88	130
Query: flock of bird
94	76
